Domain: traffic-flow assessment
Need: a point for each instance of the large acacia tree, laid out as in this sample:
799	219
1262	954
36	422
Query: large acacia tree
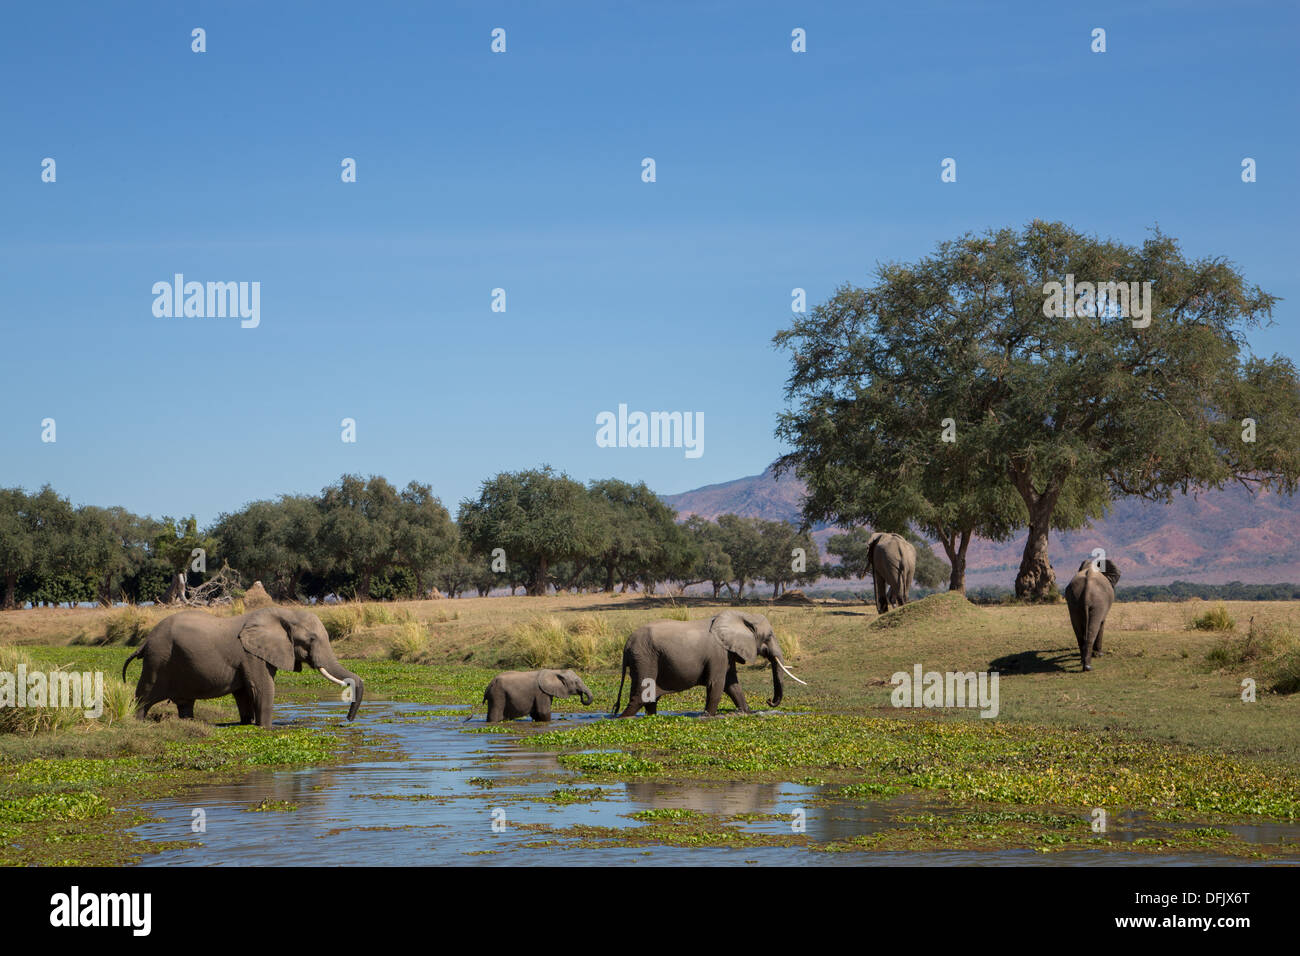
1054	417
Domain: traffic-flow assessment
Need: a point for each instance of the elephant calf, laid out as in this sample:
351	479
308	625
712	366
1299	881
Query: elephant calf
1089	596
528	693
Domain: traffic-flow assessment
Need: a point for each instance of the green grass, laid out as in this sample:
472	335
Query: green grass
1158	725
966	762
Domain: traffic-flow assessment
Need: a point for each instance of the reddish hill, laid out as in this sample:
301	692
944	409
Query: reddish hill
1213	537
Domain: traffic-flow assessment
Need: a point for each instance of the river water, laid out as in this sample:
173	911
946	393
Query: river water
467	798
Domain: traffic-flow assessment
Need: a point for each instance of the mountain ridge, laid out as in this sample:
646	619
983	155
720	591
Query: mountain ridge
1209	536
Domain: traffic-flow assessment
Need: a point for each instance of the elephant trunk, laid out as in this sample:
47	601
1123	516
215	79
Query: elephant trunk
340	675
586	697
778	685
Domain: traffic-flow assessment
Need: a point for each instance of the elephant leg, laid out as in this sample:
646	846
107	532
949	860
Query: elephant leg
244	701
496	711
146	695
260	679
184	709
733	690
1092	638
1096	645
1078	622
712	697
541	708
652	707
634	701
144	702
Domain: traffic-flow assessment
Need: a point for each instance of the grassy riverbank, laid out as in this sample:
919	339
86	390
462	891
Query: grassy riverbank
1158	727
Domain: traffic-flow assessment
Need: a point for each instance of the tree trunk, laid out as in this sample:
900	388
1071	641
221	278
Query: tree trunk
1036	579
539	583
955	548
363	588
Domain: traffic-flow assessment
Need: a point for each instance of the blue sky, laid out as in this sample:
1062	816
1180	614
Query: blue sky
523	171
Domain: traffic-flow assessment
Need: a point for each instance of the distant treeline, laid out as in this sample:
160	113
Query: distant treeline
364	538
536	531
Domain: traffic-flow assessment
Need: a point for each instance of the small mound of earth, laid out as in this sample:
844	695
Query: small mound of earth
435	595
256	597
950	607
793	597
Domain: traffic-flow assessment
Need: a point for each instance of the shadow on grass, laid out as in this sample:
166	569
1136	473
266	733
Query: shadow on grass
1055	661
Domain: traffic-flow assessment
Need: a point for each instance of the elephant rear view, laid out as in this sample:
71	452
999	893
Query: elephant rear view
1089	596
195	656
891	559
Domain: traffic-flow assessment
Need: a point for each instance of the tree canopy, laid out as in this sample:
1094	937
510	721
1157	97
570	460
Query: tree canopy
946	397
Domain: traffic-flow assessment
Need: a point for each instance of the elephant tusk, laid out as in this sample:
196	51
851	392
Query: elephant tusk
792	677
343	683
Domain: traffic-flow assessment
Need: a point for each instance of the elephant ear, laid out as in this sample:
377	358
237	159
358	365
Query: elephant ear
735	634
550	683
872	543
264	636
1112	573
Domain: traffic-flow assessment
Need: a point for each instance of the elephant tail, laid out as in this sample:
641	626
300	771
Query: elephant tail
471	709
619	696
127	663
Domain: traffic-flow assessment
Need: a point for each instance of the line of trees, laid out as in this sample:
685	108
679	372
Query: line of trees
53	553
363	537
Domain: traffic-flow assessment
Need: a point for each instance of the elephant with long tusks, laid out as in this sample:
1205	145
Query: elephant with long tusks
668	656
195	656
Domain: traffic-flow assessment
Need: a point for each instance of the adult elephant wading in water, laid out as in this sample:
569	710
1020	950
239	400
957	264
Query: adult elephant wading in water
194	656
892	561
668	656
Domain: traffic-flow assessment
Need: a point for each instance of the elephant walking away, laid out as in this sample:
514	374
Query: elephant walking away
892	560
195	656
669	656
1089	596
516	694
